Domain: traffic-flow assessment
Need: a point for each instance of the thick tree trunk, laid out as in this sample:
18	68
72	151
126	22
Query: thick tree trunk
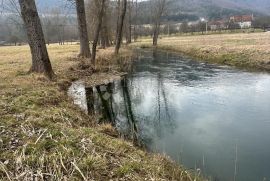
100	17
120	27
82	26
40	58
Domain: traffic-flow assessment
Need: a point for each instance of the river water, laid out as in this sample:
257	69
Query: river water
210	118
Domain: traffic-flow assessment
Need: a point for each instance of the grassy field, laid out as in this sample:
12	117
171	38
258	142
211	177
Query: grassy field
244	50
44	136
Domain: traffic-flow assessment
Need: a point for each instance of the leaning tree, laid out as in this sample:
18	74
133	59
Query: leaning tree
120	26
100	5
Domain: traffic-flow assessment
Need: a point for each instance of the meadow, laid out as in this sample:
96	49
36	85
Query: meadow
244	50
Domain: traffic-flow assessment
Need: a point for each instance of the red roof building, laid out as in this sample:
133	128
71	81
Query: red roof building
244	21
243	18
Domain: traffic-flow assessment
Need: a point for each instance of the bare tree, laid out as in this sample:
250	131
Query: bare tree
120	27
159	10
11	6
84	40
118	19
136	20
104	34
98	28
40	58
129	23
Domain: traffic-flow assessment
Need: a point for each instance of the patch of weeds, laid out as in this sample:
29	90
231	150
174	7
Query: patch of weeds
22	73
127	168
91	163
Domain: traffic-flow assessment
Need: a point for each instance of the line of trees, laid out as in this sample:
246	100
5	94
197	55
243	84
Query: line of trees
40	59
99	22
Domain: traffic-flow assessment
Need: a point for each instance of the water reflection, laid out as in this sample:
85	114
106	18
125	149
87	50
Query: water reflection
207	117
104	93
100	100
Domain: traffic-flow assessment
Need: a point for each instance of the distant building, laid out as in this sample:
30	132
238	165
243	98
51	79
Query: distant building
193	23
244	21
218	25
2	43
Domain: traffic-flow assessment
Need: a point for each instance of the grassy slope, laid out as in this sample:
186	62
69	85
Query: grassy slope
241	50
43	135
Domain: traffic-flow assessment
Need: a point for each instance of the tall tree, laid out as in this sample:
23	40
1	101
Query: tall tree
40	58
136	20
118	19
120	27
84	40
105	37
129	22
159	10
101	6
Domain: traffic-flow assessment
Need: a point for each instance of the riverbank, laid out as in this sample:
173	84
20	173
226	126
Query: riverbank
43	135
243	50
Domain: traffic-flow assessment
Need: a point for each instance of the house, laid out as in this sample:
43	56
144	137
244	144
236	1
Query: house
244	21
218	25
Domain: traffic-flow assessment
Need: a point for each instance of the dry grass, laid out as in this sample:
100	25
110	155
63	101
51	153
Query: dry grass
249	50
43	136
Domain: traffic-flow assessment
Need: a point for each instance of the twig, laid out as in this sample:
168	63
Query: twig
40	136
61	161
77	168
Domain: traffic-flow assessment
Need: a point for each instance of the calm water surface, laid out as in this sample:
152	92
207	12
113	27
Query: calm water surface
210	118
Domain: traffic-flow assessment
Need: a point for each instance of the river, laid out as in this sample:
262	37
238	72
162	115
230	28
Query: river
210	118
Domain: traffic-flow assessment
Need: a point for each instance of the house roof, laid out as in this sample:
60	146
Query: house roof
242	18
217	22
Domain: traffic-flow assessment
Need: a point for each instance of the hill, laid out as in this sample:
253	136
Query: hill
219	8
190	10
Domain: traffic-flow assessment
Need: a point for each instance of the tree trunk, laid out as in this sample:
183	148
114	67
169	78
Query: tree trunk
160	8
103	37
108	42
156	34
129	40
40	58
120	27
135	24
82	26
100	17
118	20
